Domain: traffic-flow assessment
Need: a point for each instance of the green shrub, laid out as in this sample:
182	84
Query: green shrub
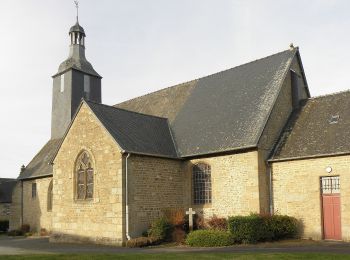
283	227
256	228
4	225
160	229
209	238
246	229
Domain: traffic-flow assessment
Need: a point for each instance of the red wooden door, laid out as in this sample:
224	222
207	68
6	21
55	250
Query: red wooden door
331	216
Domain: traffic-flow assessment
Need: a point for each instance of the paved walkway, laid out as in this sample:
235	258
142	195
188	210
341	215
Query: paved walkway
15	246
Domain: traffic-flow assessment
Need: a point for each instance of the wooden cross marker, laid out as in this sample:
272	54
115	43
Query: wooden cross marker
190	214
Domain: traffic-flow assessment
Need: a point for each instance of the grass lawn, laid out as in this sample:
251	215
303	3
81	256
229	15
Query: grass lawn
184	256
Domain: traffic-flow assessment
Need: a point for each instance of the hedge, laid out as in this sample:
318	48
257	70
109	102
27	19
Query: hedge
256	228
209	238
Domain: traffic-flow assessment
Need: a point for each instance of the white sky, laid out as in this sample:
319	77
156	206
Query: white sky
140	46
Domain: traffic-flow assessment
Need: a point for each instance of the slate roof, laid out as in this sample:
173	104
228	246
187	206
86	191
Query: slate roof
316	130
222	112
6	188
40	164
135	132
77	28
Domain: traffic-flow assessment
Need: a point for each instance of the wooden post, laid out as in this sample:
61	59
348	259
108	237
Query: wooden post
190	214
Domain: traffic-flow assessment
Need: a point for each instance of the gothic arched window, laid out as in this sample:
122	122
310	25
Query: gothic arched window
84	177
49	197
201	183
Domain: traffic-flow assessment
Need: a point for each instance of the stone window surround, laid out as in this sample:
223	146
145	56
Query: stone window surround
75	194
202	205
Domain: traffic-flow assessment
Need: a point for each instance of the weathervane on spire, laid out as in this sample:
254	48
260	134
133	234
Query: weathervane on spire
77	6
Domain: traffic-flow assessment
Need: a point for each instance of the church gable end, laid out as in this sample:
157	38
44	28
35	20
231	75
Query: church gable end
95	211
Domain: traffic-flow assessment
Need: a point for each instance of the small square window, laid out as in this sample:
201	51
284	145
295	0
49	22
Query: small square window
33	190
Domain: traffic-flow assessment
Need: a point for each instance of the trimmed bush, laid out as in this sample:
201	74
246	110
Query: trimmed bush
247	229
160	229
256	228
209	238
283	227
4	225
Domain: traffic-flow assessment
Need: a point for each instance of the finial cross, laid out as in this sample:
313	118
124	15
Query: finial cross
77	6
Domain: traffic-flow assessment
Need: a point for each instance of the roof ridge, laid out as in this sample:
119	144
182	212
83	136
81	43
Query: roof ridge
329	94
295	49
118	108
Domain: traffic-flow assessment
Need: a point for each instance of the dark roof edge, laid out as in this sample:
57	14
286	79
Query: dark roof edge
214	154
71	68
276	97
152	155
303	72
308	157
173	139
126	110
35	177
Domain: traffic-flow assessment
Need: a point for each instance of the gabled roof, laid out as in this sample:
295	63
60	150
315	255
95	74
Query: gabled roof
320	128
6	188
135	132
222	112
40	164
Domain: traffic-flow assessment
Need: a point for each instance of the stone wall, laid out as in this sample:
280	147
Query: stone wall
235	185
154	184
15	213
99	220
5	210
35	211
296	191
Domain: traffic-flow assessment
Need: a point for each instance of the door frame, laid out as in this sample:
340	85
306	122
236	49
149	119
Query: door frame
322	211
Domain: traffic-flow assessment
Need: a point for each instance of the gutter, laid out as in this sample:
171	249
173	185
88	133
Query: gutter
126	199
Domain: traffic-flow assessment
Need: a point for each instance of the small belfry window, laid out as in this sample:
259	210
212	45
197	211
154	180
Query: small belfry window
201	183
33	190
84	177
87	86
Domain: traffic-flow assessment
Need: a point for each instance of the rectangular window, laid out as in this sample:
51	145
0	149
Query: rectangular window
34	190
62	83
202	183
87	86
330	185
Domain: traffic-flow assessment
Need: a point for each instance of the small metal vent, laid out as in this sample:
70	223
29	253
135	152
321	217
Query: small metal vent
334	119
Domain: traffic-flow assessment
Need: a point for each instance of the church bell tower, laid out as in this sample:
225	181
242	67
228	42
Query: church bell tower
75	79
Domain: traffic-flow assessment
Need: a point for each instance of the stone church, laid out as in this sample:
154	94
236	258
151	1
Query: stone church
249	139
